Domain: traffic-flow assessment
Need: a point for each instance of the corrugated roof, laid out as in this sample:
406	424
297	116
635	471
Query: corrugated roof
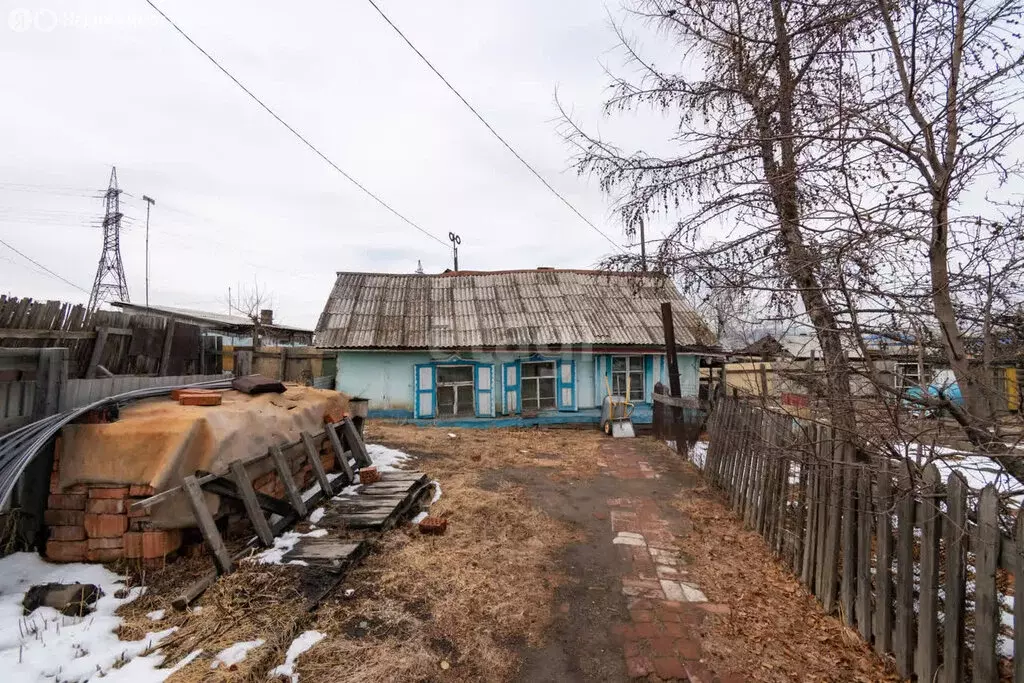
504	309
204	316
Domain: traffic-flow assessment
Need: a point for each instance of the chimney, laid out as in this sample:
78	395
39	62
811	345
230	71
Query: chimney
266	316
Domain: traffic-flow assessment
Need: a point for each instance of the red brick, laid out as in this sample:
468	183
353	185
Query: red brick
105	526
368	475
108	492
669	668
105	506
106	543
157	544
433	525
664	646
713	607
645	630
137	512
66	501
141	491
66	551
673	629
64	517
67	533
200	399
638	667
327	461
132	544
104	554
688	648
176	394
640	615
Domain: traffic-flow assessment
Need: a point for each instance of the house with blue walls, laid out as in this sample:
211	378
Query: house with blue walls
507	348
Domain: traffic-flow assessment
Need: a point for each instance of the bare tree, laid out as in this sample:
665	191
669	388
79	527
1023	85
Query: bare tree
753	143
251	303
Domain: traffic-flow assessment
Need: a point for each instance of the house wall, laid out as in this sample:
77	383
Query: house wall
388	378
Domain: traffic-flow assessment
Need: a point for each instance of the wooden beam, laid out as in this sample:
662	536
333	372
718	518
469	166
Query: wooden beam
207	526
355	443
285	474
10	333
165	356
225	487
97	351
313	455
677	401
252	506
340	455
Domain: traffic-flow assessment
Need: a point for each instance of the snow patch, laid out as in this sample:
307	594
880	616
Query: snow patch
699	453
386	459
317	515
235	654
155	615
419	518
304	642
283	544
46	645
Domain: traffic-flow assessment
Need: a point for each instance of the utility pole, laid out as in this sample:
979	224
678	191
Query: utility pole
110	282
149	202
456	241
643	248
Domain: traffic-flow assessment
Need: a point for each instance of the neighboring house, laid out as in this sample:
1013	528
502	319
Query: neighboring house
508	347
235	330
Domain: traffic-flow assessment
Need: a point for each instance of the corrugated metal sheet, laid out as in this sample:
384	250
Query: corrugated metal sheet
514	308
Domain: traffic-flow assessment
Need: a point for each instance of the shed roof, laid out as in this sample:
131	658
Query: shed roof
503	309
206	318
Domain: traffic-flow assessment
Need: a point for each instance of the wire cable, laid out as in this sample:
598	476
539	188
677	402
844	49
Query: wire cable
32	260
495	133
293	131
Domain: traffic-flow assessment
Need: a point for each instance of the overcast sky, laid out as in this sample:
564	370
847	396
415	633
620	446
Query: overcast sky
93	84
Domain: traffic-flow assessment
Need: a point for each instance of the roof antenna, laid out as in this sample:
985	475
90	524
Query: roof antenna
456	241
419	267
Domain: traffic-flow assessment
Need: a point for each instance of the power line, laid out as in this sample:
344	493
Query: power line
40	265
292	130
491	129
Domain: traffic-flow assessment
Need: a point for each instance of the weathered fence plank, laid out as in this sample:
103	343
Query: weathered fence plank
954	532
986	606
883	563
928	622
903	642
864	553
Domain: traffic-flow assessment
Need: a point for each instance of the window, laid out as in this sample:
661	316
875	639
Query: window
633	368
455	392
538	382
907	376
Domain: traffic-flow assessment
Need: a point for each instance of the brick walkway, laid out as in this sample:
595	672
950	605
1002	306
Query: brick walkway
661	641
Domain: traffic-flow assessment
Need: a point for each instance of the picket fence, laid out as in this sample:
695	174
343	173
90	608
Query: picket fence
921	568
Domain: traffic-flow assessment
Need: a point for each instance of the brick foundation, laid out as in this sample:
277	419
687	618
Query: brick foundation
93	523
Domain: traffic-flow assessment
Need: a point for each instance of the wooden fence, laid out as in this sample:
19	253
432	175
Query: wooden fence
921	568
122	343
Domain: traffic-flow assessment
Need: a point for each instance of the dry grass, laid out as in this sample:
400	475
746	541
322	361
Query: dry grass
253	602
775	630
466	600
470	598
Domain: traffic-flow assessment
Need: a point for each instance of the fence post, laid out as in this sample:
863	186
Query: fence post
864	620
832	529
848	581
243	363
810	507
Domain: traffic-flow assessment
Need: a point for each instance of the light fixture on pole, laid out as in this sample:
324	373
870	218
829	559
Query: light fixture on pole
149	202
456	241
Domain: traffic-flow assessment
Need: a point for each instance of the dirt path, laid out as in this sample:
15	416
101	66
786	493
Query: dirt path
635	606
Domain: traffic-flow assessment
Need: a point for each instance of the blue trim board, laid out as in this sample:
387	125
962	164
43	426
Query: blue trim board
643	415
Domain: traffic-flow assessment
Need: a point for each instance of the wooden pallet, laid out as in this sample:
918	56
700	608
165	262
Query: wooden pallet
377	506
333	554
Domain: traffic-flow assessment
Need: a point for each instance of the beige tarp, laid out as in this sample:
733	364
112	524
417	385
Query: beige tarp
157	442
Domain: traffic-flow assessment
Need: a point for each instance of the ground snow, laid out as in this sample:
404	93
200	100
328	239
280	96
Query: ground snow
699	453
386	459
283	544
155	615
977	470
304	642
46	645
235	654
420	517
317	515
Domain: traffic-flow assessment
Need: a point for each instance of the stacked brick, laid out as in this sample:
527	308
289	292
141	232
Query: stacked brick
94	523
